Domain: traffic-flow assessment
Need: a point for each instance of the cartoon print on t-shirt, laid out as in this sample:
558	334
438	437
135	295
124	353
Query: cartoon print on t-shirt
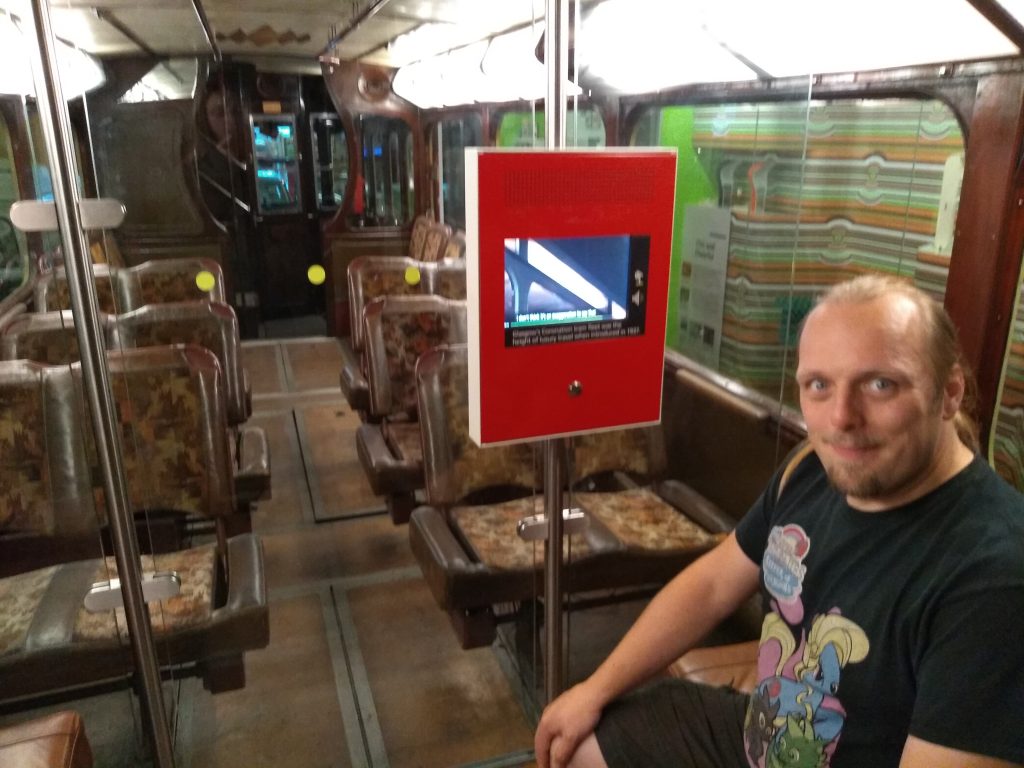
795	716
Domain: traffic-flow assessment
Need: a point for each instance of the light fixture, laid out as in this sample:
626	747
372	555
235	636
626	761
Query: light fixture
675	51
78	71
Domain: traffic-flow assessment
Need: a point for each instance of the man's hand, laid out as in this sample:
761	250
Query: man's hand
566	722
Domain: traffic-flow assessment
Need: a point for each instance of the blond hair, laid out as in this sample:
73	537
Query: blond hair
942	345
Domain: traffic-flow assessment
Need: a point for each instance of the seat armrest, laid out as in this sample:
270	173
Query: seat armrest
56	740
386	473
244	620
440	556
692	504
252	465
246	393
353	383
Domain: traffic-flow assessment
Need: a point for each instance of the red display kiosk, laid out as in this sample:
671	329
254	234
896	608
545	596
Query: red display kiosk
568	255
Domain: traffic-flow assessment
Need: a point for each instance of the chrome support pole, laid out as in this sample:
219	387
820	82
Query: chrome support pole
556	56
554	479
53	114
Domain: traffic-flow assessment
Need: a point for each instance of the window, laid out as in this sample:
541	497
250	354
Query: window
454	136
803	195
387	171
330	159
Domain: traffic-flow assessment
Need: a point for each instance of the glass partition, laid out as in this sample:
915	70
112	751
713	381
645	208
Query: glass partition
804	195
275	149
330	159
388	172
1006	442
454	136
584	127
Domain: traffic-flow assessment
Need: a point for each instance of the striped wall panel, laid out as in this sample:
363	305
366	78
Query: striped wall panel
866	199
1007	445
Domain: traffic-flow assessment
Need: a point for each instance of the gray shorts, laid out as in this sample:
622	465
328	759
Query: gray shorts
676	724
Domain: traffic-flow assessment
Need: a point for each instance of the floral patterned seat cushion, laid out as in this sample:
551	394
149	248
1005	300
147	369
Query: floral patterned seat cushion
162	433
641	520
490	533
403	438
406	337
25	504
192	606
20	596
54	346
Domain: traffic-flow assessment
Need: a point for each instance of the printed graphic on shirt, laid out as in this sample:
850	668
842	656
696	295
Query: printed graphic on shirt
796	717
784	569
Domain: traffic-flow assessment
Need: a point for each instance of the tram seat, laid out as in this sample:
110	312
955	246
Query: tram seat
52	643
721	427
122	289
470	553
179	462
51	290
434	243
56	740
455	248
208	324
371	277
398	330
160	281
49	337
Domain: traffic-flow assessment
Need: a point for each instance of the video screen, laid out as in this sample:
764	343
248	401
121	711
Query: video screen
574	288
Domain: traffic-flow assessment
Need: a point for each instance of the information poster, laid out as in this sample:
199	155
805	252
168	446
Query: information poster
706	251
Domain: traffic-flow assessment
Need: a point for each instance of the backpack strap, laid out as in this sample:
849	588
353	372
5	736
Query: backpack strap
798	454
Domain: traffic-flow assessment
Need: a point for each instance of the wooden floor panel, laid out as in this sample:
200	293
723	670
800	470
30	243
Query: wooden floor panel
437	704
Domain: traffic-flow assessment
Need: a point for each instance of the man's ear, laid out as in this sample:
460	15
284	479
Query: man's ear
953	393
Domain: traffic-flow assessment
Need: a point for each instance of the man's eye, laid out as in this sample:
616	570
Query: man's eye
881	384
815	385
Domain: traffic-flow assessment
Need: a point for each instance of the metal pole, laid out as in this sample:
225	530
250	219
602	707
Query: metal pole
556	56
53	114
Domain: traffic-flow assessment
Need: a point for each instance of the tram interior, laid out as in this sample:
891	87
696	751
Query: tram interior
323	589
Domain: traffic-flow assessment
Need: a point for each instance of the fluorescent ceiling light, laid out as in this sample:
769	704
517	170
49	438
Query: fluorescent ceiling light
800	37
675	51
78	71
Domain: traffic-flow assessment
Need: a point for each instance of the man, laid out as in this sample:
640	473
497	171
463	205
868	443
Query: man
892	566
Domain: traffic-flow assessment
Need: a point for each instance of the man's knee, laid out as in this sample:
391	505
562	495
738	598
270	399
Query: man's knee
588	755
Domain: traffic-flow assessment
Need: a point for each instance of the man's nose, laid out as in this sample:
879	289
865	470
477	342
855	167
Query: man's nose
846	409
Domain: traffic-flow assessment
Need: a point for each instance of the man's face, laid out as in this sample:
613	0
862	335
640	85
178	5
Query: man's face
867	393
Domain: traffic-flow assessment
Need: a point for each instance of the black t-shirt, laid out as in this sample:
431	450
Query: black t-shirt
882	624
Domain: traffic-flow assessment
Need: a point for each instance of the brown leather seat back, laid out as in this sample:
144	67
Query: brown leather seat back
48	337
435	242
454	466
174	432
56	740
170	280
208	324
370	277
398	330
45	477
52	292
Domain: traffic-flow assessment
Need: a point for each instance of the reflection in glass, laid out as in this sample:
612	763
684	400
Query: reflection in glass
387	171
455	135
330	159
1006	447
811	194
275	150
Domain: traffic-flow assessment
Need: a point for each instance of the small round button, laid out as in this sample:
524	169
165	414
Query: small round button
575	389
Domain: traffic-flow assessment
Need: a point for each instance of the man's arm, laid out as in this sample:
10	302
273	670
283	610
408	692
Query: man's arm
685	610
918	753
